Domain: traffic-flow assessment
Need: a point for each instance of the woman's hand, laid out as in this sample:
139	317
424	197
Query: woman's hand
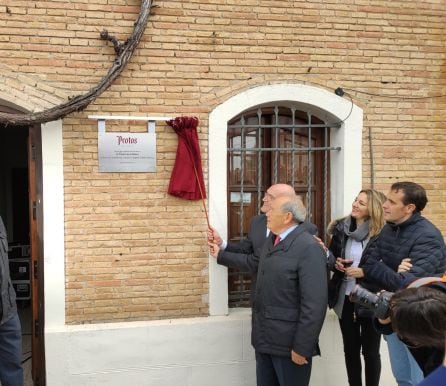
321	243
339	265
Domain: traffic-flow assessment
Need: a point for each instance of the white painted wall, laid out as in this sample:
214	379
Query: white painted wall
53	224
197	351
183	352
188	352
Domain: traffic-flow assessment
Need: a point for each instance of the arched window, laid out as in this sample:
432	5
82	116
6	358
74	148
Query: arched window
342	123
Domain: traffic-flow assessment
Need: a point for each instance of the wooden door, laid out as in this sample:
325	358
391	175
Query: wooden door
36	252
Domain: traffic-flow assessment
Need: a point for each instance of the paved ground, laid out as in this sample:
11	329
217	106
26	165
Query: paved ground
329	369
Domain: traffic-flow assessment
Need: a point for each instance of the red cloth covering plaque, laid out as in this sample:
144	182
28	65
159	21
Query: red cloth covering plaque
187	180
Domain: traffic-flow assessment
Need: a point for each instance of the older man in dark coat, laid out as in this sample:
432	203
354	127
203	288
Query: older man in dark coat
245	254
290	298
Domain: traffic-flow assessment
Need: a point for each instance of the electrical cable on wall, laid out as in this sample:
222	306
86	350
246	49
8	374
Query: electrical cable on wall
401	97
340	92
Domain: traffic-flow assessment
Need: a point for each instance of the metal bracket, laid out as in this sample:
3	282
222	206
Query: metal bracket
151	121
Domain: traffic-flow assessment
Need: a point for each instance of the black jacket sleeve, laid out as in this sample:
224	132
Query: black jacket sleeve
244	261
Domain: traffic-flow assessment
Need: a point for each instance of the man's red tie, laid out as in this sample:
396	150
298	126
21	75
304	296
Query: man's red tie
277	240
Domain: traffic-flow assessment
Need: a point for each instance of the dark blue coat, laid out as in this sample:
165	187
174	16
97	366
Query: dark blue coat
417	239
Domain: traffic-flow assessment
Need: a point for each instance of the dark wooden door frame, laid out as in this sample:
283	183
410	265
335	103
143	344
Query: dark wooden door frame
36	251
36	248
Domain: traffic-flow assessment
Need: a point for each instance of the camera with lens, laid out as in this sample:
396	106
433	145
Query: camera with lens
378	303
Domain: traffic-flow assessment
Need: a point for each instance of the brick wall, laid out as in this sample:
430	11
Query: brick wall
132	251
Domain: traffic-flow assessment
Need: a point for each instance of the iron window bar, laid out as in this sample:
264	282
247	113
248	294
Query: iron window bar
288	149
284	126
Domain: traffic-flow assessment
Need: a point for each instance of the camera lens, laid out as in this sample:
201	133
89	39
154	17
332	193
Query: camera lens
380	304
362	296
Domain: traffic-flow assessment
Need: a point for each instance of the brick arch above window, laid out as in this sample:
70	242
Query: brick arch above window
344	183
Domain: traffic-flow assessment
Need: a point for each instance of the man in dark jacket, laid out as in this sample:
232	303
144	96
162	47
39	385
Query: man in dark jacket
290	298
11	373
406	236
245	254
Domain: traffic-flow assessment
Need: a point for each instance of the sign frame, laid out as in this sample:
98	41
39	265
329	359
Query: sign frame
126	152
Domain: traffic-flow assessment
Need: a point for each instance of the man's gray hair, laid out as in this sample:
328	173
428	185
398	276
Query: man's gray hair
297	209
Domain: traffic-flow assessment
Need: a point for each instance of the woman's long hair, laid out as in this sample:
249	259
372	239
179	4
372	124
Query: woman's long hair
375	201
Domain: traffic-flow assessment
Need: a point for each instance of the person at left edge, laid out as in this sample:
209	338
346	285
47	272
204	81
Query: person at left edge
290	298
11	372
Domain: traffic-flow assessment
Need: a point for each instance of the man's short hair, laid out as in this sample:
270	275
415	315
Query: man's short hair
297	209
413	194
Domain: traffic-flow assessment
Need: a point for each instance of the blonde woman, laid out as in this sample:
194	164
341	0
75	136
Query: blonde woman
351	236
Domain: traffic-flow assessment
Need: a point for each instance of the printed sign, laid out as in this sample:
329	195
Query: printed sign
237	197
126	152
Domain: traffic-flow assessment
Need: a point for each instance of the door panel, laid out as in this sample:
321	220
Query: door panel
36	251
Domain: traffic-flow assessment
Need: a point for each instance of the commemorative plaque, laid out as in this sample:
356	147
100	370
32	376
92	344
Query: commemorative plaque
126	152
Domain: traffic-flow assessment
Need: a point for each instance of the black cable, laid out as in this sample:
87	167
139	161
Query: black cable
397	96
342	93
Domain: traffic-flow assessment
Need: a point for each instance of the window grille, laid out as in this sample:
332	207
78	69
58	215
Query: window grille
268	145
